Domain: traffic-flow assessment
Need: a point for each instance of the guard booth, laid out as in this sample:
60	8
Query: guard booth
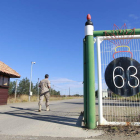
5	74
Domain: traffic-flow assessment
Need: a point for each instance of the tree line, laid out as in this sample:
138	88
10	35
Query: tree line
23	88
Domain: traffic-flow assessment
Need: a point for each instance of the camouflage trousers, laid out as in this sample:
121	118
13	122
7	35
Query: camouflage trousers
47	97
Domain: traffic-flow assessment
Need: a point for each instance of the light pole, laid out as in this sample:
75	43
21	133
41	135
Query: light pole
69	91
31	80
38	88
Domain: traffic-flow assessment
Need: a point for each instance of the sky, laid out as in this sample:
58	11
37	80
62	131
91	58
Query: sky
51	32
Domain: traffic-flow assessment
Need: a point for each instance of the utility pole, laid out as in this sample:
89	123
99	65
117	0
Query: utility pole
53	89
69	91
30	93
38	88
16	89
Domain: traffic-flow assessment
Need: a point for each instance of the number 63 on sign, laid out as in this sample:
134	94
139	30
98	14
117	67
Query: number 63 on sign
122	76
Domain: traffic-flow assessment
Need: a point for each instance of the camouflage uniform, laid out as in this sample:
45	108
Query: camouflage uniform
44	85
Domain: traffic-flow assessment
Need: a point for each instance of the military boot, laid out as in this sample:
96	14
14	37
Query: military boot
47	109
39	110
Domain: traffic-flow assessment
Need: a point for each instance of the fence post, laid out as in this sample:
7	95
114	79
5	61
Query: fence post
100	107
91	115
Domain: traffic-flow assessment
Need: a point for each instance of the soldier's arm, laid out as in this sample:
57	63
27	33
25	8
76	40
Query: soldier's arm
49	85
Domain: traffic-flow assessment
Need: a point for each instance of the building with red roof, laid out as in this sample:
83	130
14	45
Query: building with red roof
5	74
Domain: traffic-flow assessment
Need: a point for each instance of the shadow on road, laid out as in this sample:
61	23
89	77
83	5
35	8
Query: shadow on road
65	118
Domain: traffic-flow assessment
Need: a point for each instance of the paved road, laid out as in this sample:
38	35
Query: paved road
23	121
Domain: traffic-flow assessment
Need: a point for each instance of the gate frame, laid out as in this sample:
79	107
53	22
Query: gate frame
89	76
102	120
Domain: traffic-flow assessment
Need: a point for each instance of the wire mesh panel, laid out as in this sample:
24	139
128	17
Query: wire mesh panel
115	107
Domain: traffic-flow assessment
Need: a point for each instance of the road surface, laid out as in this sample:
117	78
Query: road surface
23	121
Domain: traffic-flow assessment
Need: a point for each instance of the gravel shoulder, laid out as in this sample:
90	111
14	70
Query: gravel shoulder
119	132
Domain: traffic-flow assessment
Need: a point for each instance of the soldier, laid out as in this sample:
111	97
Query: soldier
44	85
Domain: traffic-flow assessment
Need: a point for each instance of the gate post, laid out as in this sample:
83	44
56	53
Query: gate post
85	81
90	76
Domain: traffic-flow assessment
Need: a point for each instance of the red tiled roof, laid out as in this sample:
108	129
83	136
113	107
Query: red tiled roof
7	70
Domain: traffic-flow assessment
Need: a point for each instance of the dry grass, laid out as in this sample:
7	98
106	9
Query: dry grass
63	98
126	130
132	98
34	98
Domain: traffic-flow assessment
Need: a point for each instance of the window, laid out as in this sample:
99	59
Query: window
6	81
1	80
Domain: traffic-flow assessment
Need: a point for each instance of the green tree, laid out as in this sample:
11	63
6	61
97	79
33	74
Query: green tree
54	92
35	89
23	87
96	93
12	87
58	92
76	95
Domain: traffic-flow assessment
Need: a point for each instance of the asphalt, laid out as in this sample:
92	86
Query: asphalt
62	121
